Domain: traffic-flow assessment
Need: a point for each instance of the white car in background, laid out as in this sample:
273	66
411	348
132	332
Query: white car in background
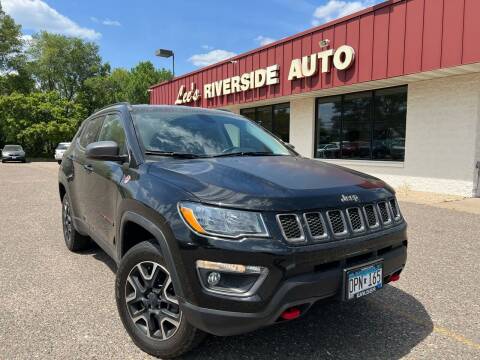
60	150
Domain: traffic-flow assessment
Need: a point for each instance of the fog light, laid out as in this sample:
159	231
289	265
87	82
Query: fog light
231	279
213	278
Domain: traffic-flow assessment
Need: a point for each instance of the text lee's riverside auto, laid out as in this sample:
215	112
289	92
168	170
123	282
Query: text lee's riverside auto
342	58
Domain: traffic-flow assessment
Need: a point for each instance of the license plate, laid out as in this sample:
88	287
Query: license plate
363	280
14	157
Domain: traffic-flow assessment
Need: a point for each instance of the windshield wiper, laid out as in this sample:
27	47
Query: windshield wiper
247	153
174	154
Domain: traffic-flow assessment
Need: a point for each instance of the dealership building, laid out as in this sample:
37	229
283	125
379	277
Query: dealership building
393	91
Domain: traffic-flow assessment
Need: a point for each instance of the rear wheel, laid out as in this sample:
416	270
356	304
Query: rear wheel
149	307
73	239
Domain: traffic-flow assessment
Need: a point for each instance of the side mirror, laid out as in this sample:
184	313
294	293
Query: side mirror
104	150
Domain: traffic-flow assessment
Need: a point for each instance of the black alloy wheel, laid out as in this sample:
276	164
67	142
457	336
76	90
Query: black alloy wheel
151	301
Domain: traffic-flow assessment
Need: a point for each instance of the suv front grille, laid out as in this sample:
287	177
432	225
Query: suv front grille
316	225
337	222
341	222
291	227
371	216
384	213
394	208
356	221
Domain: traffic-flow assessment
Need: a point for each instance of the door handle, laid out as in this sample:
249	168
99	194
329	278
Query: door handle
88	167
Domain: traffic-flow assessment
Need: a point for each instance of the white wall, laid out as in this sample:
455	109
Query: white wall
302	114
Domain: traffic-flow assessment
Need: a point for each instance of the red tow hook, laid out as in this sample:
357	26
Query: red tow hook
291	314
395	277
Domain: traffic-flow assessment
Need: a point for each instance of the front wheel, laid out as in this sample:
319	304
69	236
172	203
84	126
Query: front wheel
148	306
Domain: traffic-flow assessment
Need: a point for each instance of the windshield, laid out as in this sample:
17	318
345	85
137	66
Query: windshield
63	146
201	133
12	148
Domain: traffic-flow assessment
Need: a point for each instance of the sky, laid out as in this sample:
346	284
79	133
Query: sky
199	32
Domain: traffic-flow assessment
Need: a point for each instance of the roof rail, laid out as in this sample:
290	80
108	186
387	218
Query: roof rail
115	104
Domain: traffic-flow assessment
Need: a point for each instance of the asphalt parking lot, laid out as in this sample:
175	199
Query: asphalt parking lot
56	304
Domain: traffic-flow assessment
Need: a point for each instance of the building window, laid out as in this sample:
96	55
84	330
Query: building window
274	118
365	126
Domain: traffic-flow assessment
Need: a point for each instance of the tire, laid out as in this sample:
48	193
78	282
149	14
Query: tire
73	239
59	162
170	335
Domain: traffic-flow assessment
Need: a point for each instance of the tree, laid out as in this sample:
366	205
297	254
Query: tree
142	77
39	121
62	64
121	85
14	75
10	41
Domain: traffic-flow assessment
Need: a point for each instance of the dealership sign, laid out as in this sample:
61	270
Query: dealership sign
342	58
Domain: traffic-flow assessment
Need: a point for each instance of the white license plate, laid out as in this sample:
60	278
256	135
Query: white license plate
363	280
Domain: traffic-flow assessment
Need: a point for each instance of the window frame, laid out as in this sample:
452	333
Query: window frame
372	112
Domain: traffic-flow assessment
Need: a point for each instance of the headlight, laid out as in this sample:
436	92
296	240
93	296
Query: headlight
228	223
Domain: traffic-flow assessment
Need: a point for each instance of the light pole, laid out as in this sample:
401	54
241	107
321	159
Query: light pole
166	54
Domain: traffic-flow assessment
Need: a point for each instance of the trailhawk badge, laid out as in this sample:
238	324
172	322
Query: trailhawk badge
349	198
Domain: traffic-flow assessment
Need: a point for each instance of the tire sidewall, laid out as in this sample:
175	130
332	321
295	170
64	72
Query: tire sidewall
68	242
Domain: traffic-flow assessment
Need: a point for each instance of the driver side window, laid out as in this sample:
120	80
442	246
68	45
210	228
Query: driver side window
112	130
89	134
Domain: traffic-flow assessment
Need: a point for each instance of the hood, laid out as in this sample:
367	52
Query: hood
277	183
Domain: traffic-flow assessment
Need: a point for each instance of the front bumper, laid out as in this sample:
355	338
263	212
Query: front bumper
13	158
302	280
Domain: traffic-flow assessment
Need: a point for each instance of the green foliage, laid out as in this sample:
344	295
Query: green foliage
14	75
10	41
121	85
142	77
60	63
39	121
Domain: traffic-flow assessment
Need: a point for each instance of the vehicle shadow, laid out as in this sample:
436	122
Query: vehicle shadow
98	254
386	325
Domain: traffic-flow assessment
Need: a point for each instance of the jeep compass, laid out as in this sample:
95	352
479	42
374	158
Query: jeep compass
217	226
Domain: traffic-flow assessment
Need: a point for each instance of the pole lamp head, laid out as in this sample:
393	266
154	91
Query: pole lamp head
164	53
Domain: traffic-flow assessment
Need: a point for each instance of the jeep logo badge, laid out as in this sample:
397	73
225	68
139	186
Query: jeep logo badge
348	198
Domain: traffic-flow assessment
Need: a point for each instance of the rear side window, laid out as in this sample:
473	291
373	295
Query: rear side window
90	133
112	130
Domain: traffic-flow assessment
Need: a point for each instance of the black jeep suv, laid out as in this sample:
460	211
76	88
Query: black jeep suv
219	227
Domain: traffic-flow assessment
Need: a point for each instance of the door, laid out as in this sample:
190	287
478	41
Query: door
105	182
80	185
